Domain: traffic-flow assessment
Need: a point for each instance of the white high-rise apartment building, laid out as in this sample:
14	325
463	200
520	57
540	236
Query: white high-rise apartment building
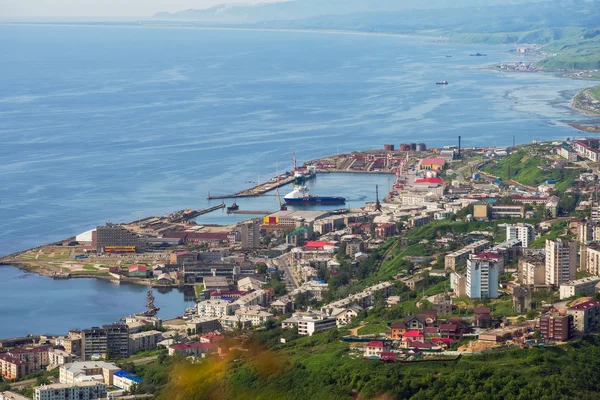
483	275
561	261
523	232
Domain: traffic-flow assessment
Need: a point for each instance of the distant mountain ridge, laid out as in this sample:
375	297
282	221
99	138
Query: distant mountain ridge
302	9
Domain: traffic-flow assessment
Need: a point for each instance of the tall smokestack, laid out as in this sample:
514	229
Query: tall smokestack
459	148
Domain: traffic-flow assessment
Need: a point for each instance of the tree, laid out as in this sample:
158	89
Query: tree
261	268
270	325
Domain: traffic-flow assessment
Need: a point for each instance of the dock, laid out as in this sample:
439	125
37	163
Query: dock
197	213
258	190
251	212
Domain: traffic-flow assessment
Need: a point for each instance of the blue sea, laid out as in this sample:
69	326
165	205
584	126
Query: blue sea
103	123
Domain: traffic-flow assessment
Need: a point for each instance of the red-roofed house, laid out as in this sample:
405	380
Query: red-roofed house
442	342
138	271
388	357
454	329
211	338
415	336
192	349
429	181
375	348
433	163
317	245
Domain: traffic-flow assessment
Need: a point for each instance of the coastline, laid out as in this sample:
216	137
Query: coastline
42	272
581	96
168	25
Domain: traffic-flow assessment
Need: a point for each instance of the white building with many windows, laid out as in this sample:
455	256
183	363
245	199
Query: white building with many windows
483	275
525	233
309	325
62	391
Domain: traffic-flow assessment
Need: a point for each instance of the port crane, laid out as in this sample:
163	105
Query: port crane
282	206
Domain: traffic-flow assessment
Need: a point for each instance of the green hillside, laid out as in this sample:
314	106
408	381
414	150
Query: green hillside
578	52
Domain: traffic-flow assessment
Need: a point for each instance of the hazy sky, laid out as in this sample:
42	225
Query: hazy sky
100	8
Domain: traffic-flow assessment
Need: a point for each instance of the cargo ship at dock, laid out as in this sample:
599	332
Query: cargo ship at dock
301	196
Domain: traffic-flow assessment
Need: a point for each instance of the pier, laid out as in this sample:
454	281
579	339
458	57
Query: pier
197	213
257	190
251	212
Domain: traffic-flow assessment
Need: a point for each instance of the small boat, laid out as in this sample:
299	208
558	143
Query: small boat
233	207
442	83
448	55
478	55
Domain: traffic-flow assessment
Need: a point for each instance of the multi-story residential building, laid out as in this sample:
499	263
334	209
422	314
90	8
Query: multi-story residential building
532	270
259	297
251	235
567	152
556	327
585	316
144	341
79	391
587	149
364	299
483	271
561	261
308	325
504	211
354	246
257	316
59	357
525	233
118	237
595	211
35	358
72	344
215	308
458	283
583	286
453	260
386	230
590	259
11	367
87	371
109	341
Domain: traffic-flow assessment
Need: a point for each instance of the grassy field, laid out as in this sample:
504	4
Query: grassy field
372	329
531	170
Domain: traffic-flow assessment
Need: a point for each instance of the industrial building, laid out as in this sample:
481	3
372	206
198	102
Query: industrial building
113	236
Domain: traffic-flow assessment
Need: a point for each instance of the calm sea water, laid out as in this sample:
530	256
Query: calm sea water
100	123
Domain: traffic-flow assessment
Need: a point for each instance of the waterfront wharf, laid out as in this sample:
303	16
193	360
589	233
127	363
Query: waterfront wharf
197	213
251	212
257	190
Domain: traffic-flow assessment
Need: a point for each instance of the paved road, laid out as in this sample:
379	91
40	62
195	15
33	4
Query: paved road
291	281
25	384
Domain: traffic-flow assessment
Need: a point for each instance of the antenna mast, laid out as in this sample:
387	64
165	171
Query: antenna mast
377	203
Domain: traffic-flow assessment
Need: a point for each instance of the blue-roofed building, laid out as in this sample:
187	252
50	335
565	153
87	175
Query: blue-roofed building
125	380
